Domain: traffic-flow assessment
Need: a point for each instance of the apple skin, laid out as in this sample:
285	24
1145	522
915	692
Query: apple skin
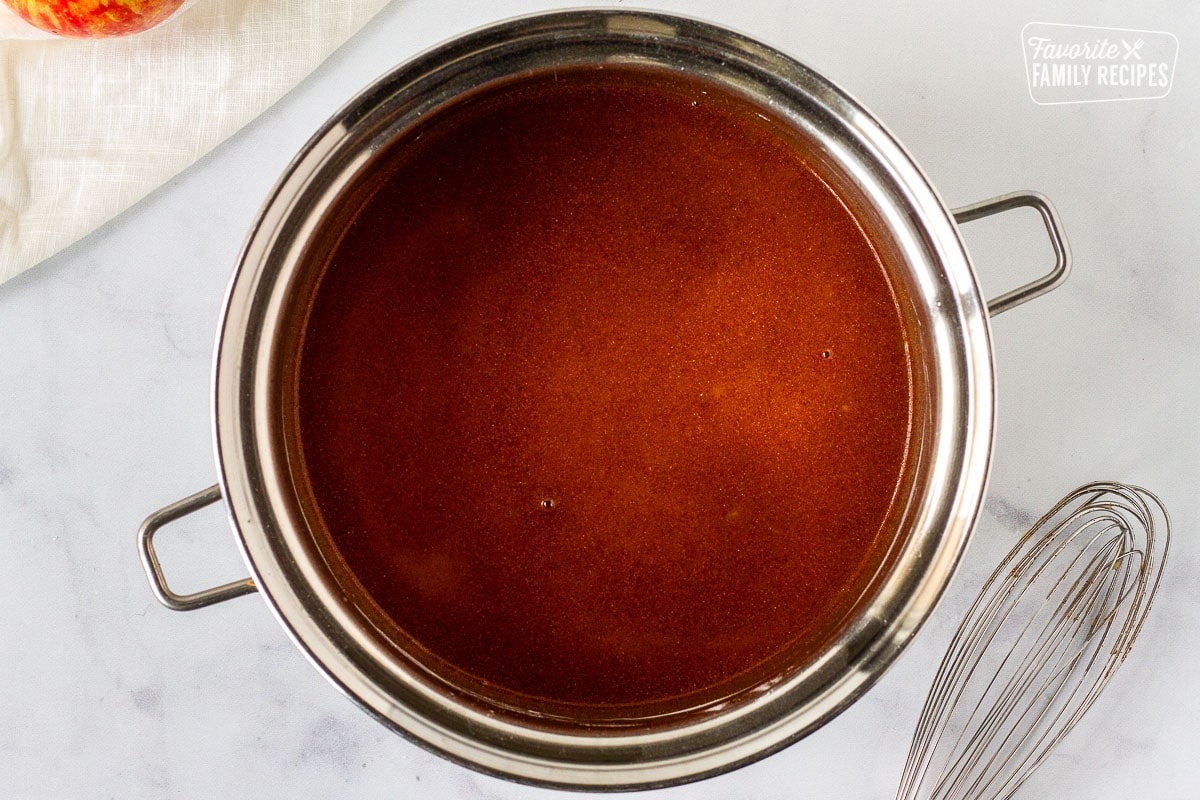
94	19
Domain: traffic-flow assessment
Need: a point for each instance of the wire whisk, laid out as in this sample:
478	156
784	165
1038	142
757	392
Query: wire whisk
1044	637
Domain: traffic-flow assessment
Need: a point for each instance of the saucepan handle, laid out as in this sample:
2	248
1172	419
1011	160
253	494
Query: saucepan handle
158	582
1058	240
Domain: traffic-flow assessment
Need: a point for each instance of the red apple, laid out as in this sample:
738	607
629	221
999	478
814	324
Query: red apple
95	18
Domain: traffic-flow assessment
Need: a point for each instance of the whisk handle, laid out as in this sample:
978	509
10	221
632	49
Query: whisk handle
1058	240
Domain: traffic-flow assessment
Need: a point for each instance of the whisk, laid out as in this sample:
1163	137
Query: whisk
1044	637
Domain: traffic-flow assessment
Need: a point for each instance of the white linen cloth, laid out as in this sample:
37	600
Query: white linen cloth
89	127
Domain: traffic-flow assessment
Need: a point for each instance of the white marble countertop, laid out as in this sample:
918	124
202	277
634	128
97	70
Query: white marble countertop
104	373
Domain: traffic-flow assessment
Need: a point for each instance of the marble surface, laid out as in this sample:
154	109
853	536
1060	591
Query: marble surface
104	371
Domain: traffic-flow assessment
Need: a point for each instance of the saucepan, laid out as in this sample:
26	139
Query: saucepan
881	185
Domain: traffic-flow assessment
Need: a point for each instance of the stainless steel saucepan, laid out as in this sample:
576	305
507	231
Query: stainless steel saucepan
946	318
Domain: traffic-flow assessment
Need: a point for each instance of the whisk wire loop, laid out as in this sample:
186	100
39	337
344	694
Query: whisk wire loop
1041	641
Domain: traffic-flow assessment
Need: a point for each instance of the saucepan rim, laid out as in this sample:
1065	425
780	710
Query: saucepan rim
323	623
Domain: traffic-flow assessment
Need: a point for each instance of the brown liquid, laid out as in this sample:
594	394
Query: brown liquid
604	395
